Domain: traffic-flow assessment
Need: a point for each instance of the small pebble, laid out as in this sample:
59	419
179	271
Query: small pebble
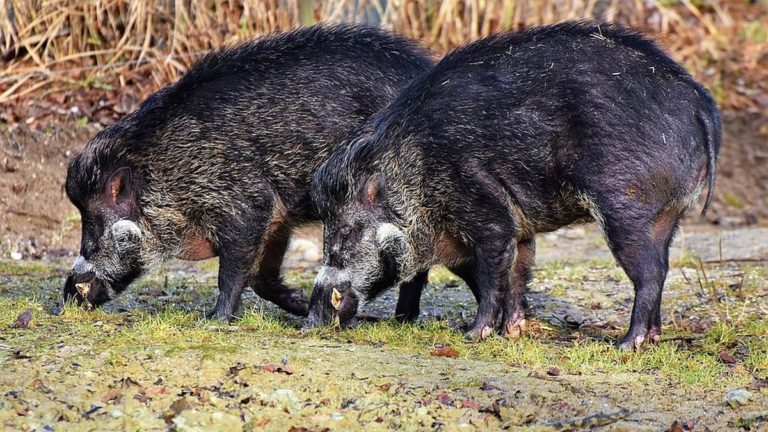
737	397
16	256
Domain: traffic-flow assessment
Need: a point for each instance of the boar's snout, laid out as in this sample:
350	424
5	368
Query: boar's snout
83	287
333	300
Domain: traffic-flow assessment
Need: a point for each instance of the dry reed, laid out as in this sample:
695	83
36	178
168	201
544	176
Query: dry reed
52	48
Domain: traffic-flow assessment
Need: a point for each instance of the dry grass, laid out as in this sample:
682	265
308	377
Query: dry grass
54	47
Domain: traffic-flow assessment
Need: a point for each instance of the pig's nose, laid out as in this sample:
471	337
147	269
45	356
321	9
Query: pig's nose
84	277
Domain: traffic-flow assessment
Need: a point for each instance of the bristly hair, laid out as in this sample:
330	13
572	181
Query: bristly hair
247	61
334	181
265	53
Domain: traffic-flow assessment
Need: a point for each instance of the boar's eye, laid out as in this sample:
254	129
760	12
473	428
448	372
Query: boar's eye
344	231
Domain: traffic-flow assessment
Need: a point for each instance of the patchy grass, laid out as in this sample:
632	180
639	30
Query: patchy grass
351	378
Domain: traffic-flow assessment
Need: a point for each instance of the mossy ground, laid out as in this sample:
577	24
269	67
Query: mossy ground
150	361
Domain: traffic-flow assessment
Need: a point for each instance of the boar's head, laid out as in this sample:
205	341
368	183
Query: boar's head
363	248
105	191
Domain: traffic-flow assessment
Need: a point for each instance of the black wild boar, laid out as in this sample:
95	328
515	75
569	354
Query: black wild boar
220	163
513	135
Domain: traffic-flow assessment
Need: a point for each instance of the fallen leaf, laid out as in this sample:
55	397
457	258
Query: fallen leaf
93	410
758	383
263	422
273	368
40	386
176	408
128	381
141	396
158	390
111	395
486	386
385	387
23	320
676	427
233	370
727	357
444	399
470	404
444	351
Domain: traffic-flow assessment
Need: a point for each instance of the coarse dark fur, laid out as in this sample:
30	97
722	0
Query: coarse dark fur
220	163
516	134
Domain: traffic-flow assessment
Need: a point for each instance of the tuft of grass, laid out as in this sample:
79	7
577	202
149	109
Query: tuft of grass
693	368
686	259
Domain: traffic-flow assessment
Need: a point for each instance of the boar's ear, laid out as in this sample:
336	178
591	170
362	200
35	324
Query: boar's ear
118	188
373	192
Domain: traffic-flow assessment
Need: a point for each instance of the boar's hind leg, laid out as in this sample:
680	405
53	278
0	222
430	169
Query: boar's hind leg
410	292
266	281
407	309
513	321
641	247
662	230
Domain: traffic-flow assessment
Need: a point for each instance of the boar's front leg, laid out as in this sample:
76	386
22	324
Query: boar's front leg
409	298
239	244
266	281
495	252
234	265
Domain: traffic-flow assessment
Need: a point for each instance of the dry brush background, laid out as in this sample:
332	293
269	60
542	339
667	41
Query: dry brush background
92	61
80	51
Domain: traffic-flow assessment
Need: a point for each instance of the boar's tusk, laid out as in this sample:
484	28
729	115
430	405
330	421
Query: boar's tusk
83	288
336	299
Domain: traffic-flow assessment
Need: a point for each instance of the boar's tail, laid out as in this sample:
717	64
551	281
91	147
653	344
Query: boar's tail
712	133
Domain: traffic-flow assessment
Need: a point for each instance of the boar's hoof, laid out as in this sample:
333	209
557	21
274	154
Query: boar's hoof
631	343
294	302
513	329
654	335
478	334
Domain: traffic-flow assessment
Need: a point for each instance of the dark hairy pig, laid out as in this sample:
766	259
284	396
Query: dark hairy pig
220	163
506	137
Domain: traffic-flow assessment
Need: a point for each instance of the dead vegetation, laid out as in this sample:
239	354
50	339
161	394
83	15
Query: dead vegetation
74	59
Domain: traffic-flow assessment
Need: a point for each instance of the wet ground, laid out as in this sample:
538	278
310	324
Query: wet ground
150	362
